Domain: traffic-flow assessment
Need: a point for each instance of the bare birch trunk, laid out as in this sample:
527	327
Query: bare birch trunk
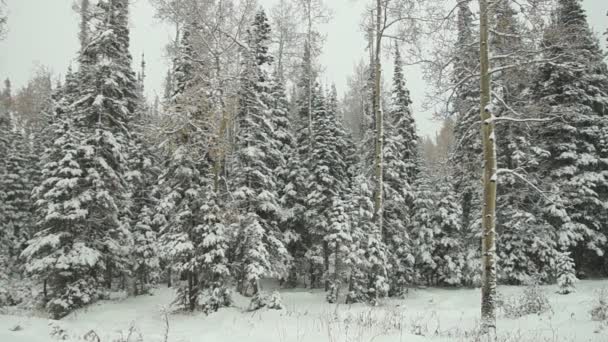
310	82
488	287
379	119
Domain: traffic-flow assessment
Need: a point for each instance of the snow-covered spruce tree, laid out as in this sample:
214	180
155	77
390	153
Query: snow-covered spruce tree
400	155
572	92
468	150
142	178
449	253
289	178
328	178
6	237
81	199
213	256
526	242
423	229
145	261
340	244
65	253
565	273
104	111
260	247
305	253
194	241
368	255
16	185
182	202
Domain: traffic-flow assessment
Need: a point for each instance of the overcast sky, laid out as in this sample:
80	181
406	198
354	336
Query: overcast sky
44	32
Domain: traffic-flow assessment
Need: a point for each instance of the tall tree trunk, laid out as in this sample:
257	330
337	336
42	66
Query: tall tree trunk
221	135
378	196
488	287
109	274
326	264
310	81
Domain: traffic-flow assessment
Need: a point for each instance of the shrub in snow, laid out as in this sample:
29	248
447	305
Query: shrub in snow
258	301
275	301
16	292
565	273
214	299
57	331
75	295
332	294
532	301
261	300
357	290
599	311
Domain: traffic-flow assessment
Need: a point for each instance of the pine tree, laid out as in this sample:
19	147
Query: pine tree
339	244
65	254
213	255
565	272
182	203
328	179
526	241
104	111
83	231
423	229
449	253
145	251
194	240
288	178
16	185
467	153
368	256
142	177
6	238
400	156
573	96
260	249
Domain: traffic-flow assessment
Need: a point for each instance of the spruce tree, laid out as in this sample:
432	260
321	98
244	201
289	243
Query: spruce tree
65	254
449	252
467	152
142	178
339	242
260	249
400	156
526	242
423	230
289	180
104	111
572	93
183	192
16	185
84	236
194	241
328	179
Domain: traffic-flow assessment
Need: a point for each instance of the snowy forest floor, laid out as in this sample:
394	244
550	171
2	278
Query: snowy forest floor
425	315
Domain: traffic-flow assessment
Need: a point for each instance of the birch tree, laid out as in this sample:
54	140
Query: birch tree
488	216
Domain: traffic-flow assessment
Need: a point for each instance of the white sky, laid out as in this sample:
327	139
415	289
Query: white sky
44	32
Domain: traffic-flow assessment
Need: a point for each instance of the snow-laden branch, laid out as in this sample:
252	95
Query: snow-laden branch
504	118
521	177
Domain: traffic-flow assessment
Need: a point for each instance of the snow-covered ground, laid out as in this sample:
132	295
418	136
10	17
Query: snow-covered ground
425	315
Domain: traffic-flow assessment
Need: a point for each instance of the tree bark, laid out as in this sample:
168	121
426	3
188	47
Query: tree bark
378	196
488	287
310	81
326	264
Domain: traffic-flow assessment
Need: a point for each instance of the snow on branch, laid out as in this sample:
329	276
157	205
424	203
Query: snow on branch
524	179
